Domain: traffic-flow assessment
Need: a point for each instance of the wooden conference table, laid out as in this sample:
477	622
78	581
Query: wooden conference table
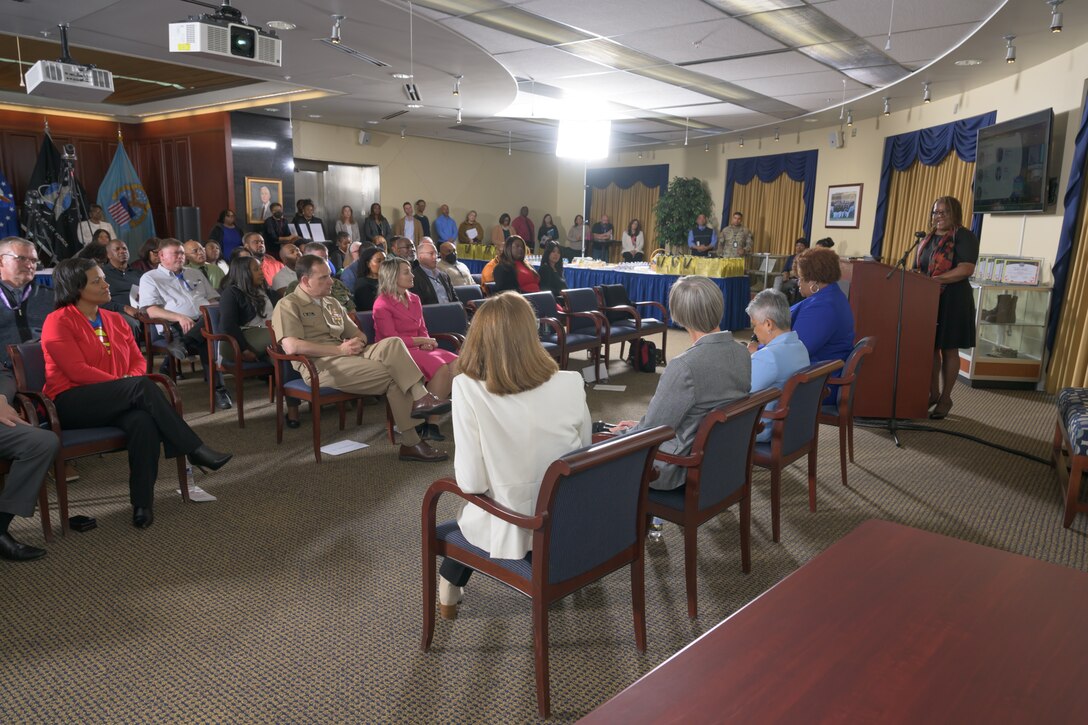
889	624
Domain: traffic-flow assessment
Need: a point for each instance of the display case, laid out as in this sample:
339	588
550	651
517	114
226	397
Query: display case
1010	330
764	270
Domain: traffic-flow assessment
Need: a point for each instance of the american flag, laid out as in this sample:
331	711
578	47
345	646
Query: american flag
120	212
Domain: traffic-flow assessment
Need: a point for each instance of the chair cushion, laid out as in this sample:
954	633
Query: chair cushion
450	532
829	410
673	498
301	385
1073	410
83	436
577	339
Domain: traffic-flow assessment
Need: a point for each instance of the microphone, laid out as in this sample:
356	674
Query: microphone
919	235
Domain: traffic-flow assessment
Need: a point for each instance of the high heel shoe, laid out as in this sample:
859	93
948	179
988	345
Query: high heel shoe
940	411
208	458
291	423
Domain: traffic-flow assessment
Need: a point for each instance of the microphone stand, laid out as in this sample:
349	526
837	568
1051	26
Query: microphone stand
901	265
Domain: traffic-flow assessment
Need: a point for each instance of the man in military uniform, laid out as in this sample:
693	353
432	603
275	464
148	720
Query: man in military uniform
340	292
309	321
735	240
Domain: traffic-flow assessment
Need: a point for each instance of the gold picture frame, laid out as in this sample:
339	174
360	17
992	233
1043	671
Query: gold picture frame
256	204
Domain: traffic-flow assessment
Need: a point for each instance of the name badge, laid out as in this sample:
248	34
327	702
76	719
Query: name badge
309	313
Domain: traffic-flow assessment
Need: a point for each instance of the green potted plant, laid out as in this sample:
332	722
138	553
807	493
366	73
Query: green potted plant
685	199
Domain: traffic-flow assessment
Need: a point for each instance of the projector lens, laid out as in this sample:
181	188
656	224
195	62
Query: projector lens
243	41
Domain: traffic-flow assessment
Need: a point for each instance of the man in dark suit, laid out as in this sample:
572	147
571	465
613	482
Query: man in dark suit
276	231
432	284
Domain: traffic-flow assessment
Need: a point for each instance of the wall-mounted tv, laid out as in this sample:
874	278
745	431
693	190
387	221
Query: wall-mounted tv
1011	165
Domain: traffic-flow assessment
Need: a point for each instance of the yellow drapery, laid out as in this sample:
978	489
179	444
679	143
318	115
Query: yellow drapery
623	205
910	199
1069	364
775	212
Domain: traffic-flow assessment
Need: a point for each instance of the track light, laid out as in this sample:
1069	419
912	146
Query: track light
458	115
849	118
925	92
742	141
706	148
776	134
640	154
887	108
1055	15
334	36
402	132
457	85
509	143
1010	49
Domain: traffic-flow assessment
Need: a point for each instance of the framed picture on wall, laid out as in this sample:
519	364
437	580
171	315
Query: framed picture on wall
260	195
843	206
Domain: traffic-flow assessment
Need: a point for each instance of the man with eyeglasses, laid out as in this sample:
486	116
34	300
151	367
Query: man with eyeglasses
23	307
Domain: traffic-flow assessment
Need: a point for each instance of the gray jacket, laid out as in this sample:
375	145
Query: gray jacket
712	372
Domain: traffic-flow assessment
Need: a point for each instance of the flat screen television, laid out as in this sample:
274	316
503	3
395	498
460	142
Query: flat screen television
1011	165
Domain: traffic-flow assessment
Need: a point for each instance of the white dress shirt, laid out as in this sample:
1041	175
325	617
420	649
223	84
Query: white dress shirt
161	287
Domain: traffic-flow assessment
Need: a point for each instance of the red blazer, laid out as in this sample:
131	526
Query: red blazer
74	356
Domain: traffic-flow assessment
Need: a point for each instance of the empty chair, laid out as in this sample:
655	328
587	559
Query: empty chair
841	414
625	322
447	323
586	326
794	432
468	292
552	335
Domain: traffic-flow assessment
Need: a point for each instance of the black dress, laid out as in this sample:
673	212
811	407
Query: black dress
956	309
366	291
552	280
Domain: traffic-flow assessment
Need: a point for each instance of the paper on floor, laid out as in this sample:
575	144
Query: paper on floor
342	447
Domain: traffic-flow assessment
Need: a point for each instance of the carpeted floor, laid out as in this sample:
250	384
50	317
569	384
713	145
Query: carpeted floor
296	596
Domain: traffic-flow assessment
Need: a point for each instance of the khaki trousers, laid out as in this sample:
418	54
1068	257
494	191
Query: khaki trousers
385	368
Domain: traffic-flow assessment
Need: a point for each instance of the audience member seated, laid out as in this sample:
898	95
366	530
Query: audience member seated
347	276
121	279
338	253
470	231
826	242
26	303
779	352
196	258
788	282
94	252
823	320
213	253
226	232
31	452
404	248
245	304
101	237
714	371
289	254
94	372
147	258
512	273
366	284
551	268
277	232
254	244
432	285
398	313
173	293
376	225
309	321
457	271
89	228
340	293
633	242
347	224
515	412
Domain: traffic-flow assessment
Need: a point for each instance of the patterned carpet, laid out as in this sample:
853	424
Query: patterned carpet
296	596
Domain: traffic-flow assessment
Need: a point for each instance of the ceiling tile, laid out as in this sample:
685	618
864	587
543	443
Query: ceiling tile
870	17
765	66
825	81
700	41
493	41
921	46
663	98
544	63
616	17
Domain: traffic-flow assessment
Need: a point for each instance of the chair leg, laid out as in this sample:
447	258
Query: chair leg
776	501
315	417
62	493
638	595
183	479
429	584
1073	489
211	394
389	424
279	419
271	388
691	555
850	435
540	645
43	511
812	477
842	450
240	399
746	532
342	409
359	412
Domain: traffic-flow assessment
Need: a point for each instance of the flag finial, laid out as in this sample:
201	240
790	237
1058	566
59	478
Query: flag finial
46	125
120	138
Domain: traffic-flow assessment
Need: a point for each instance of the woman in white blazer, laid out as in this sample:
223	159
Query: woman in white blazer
510	392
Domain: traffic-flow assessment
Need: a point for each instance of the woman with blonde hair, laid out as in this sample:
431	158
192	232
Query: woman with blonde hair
399	313
511	391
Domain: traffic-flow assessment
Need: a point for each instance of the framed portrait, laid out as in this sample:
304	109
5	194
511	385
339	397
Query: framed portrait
843	206
260	195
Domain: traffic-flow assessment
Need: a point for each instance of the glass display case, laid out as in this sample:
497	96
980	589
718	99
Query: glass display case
764	270
1010	324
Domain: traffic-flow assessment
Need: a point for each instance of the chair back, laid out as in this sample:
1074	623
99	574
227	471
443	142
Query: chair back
445	318
724	441
801	398
489	288
478	278
583	299
365	322
543	303
595	498
467	292
852	369
28	364
615	295
287	372
211	324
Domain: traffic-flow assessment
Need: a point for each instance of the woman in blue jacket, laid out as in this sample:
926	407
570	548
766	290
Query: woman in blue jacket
823	320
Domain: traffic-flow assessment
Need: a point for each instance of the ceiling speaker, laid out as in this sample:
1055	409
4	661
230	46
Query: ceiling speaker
364	138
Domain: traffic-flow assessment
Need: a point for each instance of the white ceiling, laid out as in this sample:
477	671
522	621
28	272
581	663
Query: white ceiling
718	67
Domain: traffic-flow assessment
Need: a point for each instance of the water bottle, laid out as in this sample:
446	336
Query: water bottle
190	479
654	534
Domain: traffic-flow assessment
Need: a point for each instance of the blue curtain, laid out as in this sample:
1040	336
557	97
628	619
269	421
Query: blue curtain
1073	196
799	166
625	177
930	146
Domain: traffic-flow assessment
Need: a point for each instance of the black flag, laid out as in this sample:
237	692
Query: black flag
52	211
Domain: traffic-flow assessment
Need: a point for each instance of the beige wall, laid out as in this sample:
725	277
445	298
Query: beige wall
467	176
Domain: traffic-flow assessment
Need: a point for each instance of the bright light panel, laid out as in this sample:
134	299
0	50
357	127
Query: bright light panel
583	139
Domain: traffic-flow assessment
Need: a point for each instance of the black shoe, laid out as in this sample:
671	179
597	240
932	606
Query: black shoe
142	517
209	458
290	423
222	399
434	433
176	347
13	550
421	431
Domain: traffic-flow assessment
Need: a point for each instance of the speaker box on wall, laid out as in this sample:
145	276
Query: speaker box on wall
364	138
187	223
836	139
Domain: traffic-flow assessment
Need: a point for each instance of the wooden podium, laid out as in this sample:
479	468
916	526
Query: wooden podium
874	299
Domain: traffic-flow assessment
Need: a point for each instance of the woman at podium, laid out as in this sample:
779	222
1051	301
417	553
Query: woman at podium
823	319
948	255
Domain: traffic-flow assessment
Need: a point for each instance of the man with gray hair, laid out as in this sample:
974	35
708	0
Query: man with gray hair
340	293
779	353
431	284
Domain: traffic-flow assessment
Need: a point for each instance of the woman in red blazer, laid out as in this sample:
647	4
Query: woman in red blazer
94	372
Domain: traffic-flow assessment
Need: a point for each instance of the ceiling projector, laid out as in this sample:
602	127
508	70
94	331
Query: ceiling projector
67	79
226	34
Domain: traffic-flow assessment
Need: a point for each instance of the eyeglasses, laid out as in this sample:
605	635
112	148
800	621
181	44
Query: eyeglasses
20	259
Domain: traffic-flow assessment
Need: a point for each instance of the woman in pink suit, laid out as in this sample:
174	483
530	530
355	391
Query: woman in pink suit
398	313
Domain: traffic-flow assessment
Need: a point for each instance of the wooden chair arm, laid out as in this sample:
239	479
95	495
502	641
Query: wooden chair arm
597	318
629	309
222	337
171	389
684	461
26	408
844	380
602	437
560	333
46	404
449	485
455	338
658	305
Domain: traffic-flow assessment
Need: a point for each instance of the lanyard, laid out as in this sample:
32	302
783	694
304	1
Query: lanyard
8	299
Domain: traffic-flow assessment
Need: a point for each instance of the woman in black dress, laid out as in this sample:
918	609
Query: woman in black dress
551	269
366	278
948	255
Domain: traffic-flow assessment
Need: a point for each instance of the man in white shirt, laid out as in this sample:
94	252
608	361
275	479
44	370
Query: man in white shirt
457	271
408	225
174	293
88	227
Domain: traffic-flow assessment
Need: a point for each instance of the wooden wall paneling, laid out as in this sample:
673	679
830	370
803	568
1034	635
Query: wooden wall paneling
148	163
20	153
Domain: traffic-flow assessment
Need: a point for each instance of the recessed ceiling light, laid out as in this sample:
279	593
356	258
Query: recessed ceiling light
315	115
373	123
281	25
968	61
812	120
415	105
271	110
402	76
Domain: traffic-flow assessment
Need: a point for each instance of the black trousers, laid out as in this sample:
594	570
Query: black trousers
457	573
138	407
632	256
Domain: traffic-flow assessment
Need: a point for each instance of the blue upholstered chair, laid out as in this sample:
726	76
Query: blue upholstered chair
719	474
590	521
28	364
625	322
794	432
552	335
289	383
447	323
235	366
586	326
1071	435
468	292
841	414
157	337
26	411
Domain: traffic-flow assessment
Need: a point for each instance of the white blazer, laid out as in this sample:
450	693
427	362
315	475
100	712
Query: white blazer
505	443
